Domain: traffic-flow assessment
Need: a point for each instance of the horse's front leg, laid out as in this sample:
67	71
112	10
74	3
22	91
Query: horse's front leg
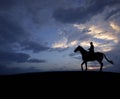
82	65
86	66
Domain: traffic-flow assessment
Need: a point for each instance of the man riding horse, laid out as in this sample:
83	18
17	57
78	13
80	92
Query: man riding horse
91	49
91	56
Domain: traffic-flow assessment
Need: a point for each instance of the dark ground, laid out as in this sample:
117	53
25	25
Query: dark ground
62	76
61	82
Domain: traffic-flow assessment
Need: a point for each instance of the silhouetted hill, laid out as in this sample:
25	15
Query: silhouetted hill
59	83
63	76
64	81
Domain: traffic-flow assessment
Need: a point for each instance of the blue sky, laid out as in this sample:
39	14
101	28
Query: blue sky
41	35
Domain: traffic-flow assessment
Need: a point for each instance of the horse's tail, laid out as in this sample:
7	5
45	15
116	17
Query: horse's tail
110	61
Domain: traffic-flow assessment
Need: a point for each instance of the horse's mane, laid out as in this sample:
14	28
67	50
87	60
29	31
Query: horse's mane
83	48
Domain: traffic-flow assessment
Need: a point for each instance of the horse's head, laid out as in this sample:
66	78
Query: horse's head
77	49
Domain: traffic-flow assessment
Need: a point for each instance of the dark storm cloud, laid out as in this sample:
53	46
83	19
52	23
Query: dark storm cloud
70	15
34	46
6	4
13	57
10	31
4	70
112	13
83	14
36	61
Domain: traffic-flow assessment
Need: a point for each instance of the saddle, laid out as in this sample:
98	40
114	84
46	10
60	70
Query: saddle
91	53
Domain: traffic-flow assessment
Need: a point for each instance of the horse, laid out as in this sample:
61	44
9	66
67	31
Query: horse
87	56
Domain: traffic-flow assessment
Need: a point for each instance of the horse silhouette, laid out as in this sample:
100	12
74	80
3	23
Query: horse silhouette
86	56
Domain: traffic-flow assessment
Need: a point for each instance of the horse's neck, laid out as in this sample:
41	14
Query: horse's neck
83	51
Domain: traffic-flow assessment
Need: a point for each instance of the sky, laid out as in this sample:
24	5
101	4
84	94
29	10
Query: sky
41	35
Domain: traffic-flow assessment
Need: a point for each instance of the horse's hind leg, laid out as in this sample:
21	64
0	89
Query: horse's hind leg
101	65
82	65
86	66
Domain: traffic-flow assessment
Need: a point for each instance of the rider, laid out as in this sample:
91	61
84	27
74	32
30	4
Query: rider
91	49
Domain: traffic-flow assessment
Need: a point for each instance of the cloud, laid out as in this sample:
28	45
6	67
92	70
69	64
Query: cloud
34	46
112	13
4	5
72	54
99	33
4	70
59	49
10	30
25	24
60	44
115	26
15	33
77	57
9	57
63	44
114	55
82	14
36	61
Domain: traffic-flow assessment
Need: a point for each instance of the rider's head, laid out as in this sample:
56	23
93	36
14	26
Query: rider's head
91	43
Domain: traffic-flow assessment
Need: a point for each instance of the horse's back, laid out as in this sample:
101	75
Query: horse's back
99	53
